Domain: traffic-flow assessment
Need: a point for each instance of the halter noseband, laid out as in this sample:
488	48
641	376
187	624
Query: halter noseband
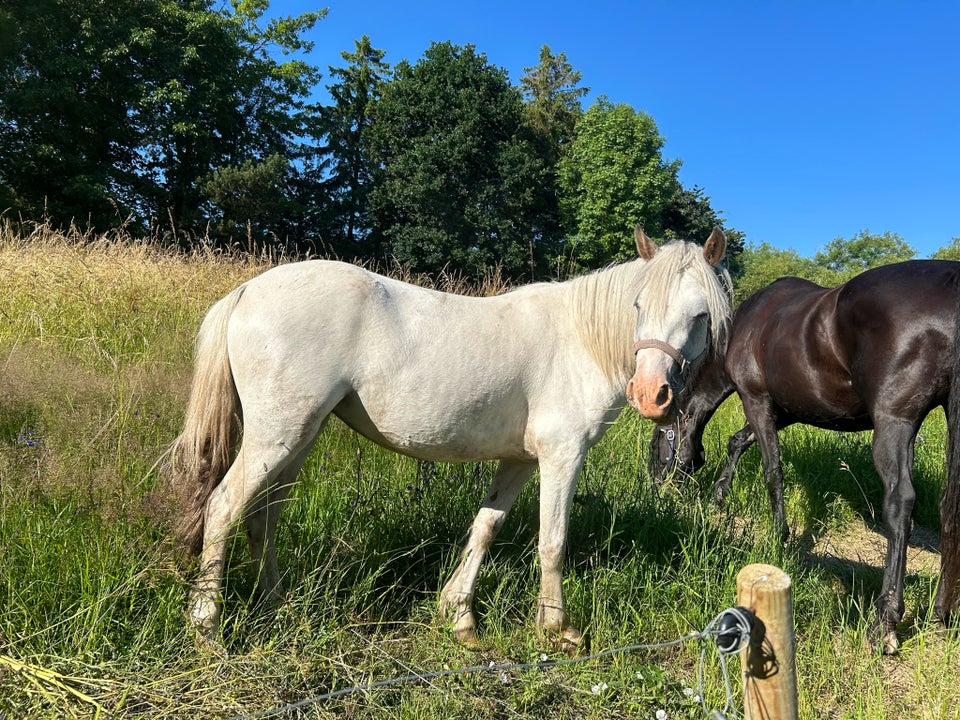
665	348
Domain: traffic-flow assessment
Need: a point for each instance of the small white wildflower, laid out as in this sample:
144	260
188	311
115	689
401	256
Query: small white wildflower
688	692
599	688
661	715
544	657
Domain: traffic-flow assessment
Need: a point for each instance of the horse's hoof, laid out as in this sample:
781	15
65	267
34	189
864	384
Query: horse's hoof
889	644
569	640
720	495
208	642
882	639
467	637
941	619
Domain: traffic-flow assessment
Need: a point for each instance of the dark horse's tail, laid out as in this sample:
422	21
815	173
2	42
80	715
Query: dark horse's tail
950	502
205	449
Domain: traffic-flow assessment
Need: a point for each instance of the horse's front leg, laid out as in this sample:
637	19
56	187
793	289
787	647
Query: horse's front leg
761	418
893	459
558	482
456	598
736	446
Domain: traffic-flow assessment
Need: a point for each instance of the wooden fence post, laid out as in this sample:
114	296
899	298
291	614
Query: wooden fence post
769	670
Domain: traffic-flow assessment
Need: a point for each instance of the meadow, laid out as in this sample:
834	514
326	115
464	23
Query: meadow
96	338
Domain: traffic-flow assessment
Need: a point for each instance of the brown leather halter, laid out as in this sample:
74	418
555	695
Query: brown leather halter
665	348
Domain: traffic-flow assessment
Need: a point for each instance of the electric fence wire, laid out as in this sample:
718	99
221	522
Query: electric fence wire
730	630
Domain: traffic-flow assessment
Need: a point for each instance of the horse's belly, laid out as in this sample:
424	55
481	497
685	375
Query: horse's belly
832	408
455	434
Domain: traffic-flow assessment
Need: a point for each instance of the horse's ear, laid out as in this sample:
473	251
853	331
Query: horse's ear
646	247
715	247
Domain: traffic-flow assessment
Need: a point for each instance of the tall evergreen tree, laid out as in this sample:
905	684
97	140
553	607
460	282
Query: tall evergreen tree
553	107
347	169
688	214
551	92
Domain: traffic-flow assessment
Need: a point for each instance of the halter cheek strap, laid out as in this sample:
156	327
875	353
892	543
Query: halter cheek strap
663	347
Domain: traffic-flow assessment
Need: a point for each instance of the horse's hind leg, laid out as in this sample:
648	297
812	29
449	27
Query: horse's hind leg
456	598
246	484
893	458
261	525
946	600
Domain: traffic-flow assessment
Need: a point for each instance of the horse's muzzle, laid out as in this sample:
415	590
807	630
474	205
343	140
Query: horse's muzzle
652	399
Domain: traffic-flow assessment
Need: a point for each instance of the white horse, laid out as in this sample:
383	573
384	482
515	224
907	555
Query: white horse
532	378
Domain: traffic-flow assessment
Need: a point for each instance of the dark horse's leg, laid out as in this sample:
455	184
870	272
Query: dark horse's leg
761	418
893	440
946	600
736	446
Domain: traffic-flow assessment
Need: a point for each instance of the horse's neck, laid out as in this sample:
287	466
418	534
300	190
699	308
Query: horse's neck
711	386
603	314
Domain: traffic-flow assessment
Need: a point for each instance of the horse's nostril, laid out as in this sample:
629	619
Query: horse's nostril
664	395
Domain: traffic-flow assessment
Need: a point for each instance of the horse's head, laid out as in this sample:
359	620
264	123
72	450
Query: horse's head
682	310
676	449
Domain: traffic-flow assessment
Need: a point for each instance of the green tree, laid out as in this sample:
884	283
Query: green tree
255	201
613	177
67	73
552	95
950	251
764	263
457	176
347	169
688	215
848	257
220	99
116	110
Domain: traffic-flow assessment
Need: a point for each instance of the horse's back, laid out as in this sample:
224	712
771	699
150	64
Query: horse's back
880	343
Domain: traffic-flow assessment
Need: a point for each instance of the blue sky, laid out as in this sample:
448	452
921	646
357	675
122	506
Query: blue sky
802	121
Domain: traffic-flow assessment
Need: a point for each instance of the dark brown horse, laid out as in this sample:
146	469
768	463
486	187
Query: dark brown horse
878	352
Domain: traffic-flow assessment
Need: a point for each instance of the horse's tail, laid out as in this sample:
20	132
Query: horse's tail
950	502
206	447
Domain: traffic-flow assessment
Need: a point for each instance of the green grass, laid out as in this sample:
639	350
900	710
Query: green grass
95	343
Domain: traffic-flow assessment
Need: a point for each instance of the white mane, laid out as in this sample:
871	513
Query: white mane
603	302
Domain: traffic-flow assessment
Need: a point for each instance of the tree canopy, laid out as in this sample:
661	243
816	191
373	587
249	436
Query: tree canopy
194	121
456	175
612	178
120	111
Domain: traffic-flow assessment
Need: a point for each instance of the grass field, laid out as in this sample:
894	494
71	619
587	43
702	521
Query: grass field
95	356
